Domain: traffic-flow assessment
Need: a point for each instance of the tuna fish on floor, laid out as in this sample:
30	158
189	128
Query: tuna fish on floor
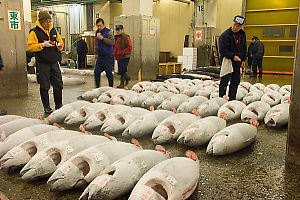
278	116
232	110
256	110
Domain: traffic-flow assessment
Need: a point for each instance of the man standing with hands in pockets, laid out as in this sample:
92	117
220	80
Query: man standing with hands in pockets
233	46
104	53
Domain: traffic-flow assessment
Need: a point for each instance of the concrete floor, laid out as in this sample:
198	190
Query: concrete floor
257	172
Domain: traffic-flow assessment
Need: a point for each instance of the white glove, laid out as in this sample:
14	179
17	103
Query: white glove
47	44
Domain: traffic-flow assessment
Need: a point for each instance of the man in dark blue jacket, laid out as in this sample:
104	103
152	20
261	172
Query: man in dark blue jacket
104	53
258	54
82	50
232	45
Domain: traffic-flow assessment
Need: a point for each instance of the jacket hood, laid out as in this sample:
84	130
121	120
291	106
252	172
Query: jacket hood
39	25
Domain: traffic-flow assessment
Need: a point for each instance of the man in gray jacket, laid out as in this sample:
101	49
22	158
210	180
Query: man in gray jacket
257	55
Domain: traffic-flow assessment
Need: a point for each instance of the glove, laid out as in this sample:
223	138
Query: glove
47	44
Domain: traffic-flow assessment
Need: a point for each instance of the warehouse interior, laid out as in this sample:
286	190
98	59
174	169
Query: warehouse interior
171	39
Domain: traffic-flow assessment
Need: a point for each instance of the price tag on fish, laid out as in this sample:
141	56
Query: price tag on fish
171	180
102	180
42	157
144	193
221	138
66	168
97	157
16	151
69	149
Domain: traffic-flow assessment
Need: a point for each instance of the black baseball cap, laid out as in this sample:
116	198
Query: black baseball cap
239	19
119	27
254	38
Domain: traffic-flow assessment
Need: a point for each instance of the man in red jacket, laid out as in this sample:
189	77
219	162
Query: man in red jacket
122	51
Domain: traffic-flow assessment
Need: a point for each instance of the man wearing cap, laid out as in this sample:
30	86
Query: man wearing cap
82	50
104	53
257	54
233	46
122	51
46	42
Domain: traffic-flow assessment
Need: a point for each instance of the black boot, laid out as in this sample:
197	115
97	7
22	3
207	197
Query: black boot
122	79
260	72
57	93
127	79
45	100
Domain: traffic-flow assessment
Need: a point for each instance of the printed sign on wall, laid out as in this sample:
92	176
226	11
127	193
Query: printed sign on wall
14	20
198	35
152	27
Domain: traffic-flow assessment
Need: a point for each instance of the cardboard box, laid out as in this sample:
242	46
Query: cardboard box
189	51
182	59
90	60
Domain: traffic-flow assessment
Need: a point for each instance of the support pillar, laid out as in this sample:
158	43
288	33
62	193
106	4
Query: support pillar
293	138
13	82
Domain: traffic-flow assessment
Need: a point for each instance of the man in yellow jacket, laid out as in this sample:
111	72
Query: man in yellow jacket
46	43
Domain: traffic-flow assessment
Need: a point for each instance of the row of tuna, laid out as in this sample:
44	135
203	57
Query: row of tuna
109	168
67	80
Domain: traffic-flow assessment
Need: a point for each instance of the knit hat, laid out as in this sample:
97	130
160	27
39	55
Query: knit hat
43	16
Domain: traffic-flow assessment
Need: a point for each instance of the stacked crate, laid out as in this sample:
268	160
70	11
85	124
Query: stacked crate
189	58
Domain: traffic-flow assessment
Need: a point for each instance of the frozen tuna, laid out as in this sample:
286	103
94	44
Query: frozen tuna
94	93
190	104
210	107
253	96
173	102
278	116
256	110
156	100
272	98
232	110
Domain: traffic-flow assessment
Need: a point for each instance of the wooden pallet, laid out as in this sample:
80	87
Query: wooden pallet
215	48
169	68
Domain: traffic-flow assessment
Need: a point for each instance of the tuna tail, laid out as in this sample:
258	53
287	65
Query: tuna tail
223	116
95	100
81	127
58	126
254	122
125	88
226	97
152	108
135	142
190	154
174	109
195	112
108	136
112	103
160	148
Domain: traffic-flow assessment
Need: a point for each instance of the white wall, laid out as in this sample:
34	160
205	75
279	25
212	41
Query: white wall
102	10
27	10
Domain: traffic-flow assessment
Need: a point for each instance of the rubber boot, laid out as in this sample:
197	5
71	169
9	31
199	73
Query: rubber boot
127	79
57	94
122	79
45	100
260	72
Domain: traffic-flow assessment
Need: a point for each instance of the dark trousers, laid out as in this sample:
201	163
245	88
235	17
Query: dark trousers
104	63
47	74
257	62
234	79
81	61
122	66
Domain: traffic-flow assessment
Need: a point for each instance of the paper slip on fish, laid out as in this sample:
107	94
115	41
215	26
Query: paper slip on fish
8	118
190	104
210	107
146	124
69	81
156	100
256	110
60	115
246	85
137	100
205	91
232	110
278	116
45	162
81	114
272	87
19	155
172	127
97	119
272	98
16	125
23	135
120	121
84	167
253	96
241	93
120	177
173	102
285	90
286	99
107	96
165	181
201	131
94	93
257	86
233	138
124	98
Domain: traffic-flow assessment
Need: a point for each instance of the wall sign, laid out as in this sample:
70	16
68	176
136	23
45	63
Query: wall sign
152	27
199	35
14	20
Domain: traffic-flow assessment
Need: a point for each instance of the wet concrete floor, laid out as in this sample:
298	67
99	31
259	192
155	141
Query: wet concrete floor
257	172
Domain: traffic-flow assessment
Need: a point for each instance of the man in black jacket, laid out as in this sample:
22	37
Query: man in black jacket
82	50
233	46
257	54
